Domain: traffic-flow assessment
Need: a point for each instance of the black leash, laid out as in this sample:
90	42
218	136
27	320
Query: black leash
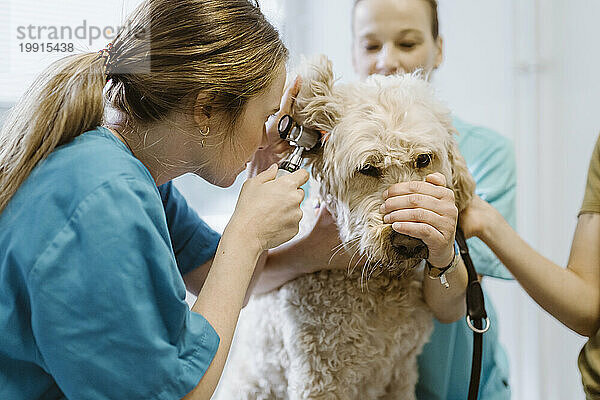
476	315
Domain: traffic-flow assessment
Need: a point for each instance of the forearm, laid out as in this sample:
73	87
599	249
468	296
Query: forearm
283	264
258	270
220	302
447	304
194	280
563	293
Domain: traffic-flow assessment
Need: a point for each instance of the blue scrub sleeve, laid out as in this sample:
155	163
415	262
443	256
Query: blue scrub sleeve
494	171
194	242
108	308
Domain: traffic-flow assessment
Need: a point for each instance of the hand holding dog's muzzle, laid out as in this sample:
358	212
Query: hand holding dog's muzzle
424	210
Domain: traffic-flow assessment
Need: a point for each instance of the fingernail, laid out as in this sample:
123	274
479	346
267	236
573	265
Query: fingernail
382	208
385	194
386	218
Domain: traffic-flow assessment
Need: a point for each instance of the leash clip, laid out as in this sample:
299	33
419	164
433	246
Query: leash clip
477	330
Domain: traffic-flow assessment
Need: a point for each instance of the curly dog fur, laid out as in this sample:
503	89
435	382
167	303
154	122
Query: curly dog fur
356	334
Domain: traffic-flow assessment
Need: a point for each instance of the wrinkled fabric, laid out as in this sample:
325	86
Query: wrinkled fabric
92	300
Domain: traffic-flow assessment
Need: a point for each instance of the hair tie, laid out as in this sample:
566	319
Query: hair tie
106	53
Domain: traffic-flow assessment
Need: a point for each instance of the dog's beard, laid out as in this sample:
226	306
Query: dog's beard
374	255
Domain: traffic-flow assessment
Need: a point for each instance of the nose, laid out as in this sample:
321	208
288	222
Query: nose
388	60
408	246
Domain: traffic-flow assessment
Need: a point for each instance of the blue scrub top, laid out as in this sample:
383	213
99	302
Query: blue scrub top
445	363
92	300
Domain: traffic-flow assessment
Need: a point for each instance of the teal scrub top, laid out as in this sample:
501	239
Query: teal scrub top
92	300
445	363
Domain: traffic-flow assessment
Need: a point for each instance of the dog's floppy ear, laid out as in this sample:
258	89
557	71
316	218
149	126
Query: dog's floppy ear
316	105
463	183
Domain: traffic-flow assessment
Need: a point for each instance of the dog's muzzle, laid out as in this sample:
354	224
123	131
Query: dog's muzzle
408	247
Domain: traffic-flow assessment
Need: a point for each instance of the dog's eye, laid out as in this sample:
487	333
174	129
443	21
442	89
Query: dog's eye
423	160
370	170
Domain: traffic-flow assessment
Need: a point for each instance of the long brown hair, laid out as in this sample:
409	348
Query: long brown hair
168	53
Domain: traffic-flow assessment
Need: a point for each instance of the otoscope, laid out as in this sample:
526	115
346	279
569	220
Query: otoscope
298	136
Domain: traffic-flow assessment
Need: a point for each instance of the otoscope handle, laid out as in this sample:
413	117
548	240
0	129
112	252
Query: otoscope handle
292	164
286	167
282	172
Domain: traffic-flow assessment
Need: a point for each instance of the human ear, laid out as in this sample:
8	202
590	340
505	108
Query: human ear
202	109
439	57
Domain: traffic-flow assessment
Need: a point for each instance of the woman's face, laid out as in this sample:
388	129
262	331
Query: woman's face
236	148
394	36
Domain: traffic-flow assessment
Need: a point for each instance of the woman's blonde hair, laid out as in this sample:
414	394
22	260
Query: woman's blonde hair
169	52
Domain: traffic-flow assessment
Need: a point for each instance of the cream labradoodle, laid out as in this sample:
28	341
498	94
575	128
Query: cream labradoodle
334	335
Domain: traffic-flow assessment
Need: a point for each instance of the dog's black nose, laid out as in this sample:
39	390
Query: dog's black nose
408	247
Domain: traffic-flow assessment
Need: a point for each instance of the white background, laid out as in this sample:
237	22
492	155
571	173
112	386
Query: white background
526	68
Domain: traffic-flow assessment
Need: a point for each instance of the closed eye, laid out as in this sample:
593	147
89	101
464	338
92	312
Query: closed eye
406	45
370	170
371	46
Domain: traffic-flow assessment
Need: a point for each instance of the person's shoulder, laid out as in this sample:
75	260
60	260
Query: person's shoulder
91	160
74	169
96	156
90	165
480	134
474	140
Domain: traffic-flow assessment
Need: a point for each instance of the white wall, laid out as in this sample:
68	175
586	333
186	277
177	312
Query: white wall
18	67
568	126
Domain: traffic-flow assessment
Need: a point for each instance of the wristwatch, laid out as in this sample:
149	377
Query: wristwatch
440	273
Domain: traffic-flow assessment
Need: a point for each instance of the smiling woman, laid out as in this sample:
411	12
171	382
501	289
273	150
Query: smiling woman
378	40
402	36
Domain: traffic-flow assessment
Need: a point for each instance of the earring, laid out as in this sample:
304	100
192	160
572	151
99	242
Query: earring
202	141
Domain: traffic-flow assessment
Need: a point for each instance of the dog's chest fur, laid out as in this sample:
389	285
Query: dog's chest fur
323	336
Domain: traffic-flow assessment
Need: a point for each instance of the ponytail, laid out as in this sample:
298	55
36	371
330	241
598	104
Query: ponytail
64	101
225	50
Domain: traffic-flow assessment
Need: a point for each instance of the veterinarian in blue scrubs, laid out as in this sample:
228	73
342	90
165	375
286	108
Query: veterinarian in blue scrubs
95	239
391	36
